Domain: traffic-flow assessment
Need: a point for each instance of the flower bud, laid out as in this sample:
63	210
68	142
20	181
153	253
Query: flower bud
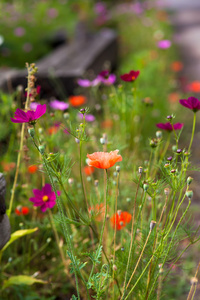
166	165
174	148
102	141
178	151
96	182
140	170
40	130
66	115
189	180
77	140
153	143
169	117
189	194
173	171
70	181
152	225
159	134
128	199
122	248
41	149
118	169
82	111
169	158
31	131
166	191
145	187
114	267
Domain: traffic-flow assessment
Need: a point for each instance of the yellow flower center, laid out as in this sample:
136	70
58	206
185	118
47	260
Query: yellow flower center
133	77
45	198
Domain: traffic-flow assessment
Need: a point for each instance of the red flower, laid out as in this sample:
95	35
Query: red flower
121	218
103	160
32	169
77	100
21	210
177	66
194	87
131	76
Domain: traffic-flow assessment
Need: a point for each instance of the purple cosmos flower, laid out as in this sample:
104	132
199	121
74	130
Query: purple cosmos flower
88	117
106	78
88	83
164	44
45	198
168	126
60	105
131	76
191	103
30	116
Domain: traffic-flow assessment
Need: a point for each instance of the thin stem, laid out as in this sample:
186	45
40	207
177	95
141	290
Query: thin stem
81	176
193	130
139	259
131	244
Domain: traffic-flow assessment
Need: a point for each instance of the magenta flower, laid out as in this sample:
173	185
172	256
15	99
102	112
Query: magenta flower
45	198
131	76
168	126
60	105
106	78
191	103
30	116
88	83
88	117
19	31
33	105
164	44
38	89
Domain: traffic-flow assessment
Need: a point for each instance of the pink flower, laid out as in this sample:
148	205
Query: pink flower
131	76
168	126
30	116
106	78
87	82
19	31
45	198
60	105
164	44
191	103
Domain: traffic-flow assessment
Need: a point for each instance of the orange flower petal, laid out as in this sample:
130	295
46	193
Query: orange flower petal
32	169
103	160
77	100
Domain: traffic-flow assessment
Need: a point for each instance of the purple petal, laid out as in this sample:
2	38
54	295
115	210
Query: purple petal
51	203
84	82
46	190
40	110
178	126
60	105
44	207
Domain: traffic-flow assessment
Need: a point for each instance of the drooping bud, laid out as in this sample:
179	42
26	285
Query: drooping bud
189	194
41	149
189	180
152	225
166	191
159	134
140	170
118	169
145	187
31	131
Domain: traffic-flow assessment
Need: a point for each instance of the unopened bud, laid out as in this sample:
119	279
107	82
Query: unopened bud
40	130
174	148
169	117
189	194
173	171
70	181
96	182
169	158
140	170
102	141
114	267
166	165
82	111
189	180
122	248
31	131
77	140
194	280
66	115
118	169
159	134
145	187
41	149
179	151
166	191
152	225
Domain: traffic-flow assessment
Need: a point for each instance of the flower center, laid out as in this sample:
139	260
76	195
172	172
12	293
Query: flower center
45	198
133	77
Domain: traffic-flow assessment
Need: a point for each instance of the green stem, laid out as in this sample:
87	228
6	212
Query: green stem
193	130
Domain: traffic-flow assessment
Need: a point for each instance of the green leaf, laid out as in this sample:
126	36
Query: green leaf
18	234
21	279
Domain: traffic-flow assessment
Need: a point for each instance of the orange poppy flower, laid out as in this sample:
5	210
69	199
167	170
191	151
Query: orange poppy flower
8	166
194	86
32	169
103	160
77	100
88	170
98	211
177	66
21	210
121	218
